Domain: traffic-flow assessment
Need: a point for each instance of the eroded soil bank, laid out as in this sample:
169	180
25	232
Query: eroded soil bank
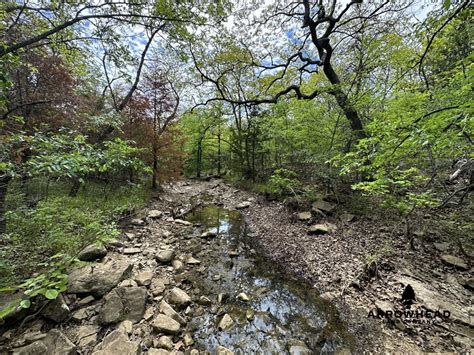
190	275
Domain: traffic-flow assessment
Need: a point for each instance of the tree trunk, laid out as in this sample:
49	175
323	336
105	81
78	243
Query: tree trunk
4	180
199	159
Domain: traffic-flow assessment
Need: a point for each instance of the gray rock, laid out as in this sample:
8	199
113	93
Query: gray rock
116	343
98	279
58	344
208	234
123	303
56	310
131	251
154	214
128	283
442	247
226	322
38	347
184	223
179	297
203	300
154	351
188	339
318	229
86	335
177	265
137	222
165	324
243	297
144	278
452	260
112	309
322	205
85	301
297	347
304	216
223	351
166	309
165	256
383	306
92	252
192	261
126	326
164	342
245	204
346	217
434	301
157	286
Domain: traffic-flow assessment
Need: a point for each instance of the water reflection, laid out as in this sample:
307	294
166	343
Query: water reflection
285	310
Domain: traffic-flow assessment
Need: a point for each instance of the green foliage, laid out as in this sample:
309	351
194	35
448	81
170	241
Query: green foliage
283	182
64	155
60	224
48	284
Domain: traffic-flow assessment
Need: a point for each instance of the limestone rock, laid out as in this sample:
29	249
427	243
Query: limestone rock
98	279
304	216
154	214
92	252
346	217
298	347
452	260
165	324
208	234
117	342
166	309
58	343
434	301
179	297
164	342
165	256
322	205
56	310
126	326
192	261
318	229
123	303
137	222
205	301
177	265
86	335
226	322
154	351
223	351
442	247
157	286
243	297
38	347
245	204
131	251
184	223
188	339
144	278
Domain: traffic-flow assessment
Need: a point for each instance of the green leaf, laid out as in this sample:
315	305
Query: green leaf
25	304
446	4
51	294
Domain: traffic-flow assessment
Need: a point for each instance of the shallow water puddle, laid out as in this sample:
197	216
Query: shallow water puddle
281	315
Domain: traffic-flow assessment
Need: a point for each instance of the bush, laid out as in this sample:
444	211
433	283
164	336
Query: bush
61	225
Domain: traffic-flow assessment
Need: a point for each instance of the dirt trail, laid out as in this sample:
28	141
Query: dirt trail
177	282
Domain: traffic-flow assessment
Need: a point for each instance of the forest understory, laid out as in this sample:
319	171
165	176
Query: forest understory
341	275
236	176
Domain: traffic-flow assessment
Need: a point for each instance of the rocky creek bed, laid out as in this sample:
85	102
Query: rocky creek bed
189	275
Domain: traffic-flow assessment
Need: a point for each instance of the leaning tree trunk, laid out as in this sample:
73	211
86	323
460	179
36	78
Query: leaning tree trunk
4	180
